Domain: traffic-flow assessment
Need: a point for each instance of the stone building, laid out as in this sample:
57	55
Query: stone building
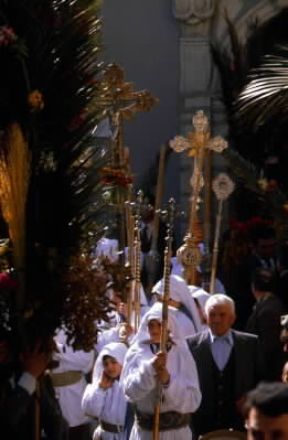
164	46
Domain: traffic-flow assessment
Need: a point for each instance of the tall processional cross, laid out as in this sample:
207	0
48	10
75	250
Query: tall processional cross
197	143
120	101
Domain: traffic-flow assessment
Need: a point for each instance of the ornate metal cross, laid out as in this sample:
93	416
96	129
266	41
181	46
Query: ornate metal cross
121	102
197	143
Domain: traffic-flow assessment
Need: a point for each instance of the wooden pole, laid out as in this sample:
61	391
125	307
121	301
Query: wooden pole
158	198
222	186
216	247
130	257
137	259
37	412
164	327
153	256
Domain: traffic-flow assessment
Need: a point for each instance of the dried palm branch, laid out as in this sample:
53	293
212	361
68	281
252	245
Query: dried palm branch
15	163
59	74
85	301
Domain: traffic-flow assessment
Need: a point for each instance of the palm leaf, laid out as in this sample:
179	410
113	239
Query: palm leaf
64	203
265	97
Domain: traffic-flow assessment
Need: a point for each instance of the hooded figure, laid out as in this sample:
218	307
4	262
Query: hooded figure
200	296
181	394
108	405
185	308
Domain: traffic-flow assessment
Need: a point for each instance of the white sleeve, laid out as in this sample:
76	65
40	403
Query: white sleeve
139	381
93	400
78	360
184	395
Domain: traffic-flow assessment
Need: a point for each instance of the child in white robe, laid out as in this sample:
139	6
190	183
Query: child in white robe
144	366
103	398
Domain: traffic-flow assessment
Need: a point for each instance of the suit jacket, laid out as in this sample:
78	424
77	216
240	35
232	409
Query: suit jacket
17	412
248	371
265	322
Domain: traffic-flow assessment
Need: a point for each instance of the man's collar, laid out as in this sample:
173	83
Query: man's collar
228	336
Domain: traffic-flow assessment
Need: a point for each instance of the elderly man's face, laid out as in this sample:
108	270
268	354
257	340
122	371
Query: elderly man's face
220	319
262	427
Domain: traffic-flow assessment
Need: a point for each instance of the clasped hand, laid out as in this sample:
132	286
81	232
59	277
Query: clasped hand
125	330
159	365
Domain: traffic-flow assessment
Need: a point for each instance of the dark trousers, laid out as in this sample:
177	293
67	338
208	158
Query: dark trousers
81	432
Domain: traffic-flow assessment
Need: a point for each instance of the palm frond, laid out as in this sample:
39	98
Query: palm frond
265	97
232	62
64	203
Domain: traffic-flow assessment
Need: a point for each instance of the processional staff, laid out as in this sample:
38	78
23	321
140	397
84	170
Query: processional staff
197	143
223	187
166	295
137	259
130	226
133	220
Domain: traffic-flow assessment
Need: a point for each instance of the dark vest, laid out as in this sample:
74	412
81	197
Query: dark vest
224	393
222	409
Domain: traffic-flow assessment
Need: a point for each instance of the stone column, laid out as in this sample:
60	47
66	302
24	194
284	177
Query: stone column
199	83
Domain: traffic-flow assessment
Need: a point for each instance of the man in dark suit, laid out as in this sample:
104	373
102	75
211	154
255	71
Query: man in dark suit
264	254
265	320
229	364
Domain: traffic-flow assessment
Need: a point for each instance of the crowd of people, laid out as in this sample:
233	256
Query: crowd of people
214	372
